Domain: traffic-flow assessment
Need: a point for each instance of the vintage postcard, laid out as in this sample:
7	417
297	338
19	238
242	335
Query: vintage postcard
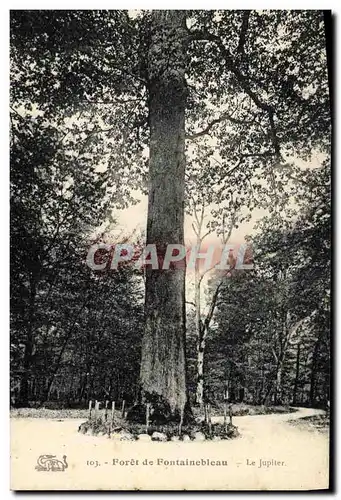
170	249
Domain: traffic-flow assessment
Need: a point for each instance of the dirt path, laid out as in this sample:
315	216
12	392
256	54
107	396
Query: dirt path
270	454
257	427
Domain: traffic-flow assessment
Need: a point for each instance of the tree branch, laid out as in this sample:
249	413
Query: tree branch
212	306
222	118
244	28
242	80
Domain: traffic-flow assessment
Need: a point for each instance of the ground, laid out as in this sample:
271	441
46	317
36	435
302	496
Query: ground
313	423
238	409
291	457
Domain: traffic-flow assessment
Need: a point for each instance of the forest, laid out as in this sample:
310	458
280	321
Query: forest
222	121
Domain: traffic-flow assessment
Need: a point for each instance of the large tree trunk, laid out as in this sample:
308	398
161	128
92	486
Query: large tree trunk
163	366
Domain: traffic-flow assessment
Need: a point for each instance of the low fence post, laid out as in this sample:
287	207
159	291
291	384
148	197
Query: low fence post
181	421
112	412
147	416
209	419
111	424
225	415
205	414
97	403
226	398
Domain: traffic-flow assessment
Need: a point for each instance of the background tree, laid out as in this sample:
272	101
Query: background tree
267	337
61	191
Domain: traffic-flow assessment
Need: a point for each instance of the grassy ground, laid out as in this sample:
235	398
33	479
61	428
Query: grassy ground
48	413
241	409
317	422
169	430
238	409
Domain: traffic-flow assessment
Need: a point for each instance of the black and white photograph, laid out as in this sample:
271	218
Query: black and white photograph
170	249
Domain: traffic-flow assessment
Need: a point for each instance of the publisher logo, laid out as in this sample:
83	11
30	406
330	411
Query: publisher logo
51	463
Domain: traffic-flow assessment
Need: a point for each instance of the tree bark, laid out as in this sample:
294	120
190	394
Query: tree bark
278	383
297	374
24	392
200	377
163	366
202	328
60	356
312	395
199	397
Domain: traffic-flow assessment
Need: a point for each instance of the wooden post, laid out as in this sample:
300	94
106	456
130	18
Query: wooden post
226	398
209	419
90	409
225	415
111	423
230	413
181	421
123	405
106	411
112	412
97	414
205	414
147	416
